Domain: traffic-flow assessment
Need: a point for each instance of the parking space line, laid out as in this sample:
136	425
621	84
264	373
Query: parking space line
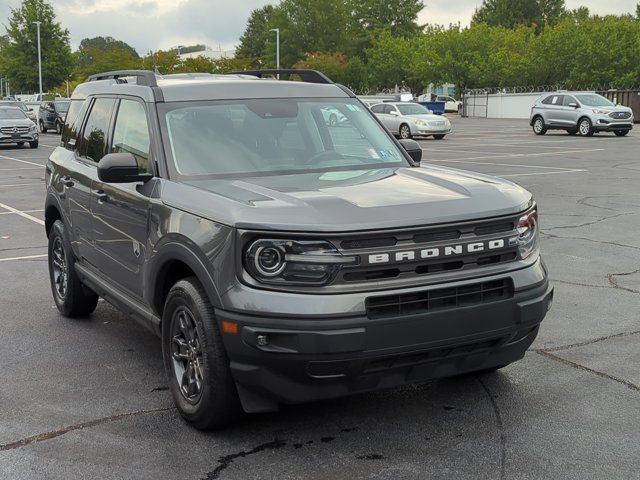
20	169
21	161
512	155
22	214
20	184
22	211
539	173
28	257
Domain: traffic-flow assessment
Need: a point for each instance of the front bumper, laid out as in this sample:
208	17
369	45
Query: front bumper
607	124
21	137
286	360
425	131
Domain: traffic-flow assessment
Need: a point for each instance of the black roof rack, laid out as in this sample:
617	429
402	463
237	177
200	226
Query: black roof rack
309	76
145	77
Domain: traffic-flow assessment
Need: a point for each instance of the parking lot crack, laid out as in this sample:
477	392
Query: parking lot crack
586	342
614	282
602	242
78	426
227	460
593	222
552	356
500	425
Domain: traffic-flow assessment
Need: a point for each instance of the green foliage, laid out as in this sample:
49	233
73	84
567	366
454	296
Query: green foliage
257	33
20	55
103	54
513	13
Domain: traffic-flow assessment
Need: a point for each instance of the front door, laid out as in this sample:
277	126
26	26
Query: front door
120	211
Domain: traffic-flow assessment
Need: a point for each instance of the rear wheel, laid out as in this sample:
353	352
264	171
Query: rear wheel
621	133
59	128
539	128
72	298
438	137
585	127
405	131
195	359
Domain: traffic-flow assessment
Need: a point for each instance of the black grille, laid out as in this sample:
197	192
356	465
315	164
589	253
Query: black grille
438	299
620	115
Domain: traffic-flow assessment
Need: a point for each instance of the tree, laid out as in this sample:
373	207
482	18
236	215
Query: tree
21	54
511	13
552	11
102	54
638	11
254	40
333	65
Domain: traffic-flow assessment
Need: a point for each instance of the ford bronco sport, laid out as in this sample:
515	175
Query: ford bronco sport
282	257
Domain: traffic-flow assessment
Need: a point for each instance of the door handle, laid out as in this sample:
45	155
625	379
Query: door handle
66	181
102	197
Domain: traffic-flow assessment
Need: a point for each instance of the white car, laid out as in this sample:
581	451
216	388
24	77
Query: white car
408	119
450	103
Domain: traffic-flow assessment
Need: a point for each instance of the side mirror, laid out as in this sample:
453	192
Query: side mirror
413	148
30	109
120	168
394	113
574	105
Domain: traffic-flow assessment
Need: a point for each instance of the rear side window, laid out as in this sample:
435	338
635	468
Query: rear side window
131	133
72	123
92	142
377	109
553	100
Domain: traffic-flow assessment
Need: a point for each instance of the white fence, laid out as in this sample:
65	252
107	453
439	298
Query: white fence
499	105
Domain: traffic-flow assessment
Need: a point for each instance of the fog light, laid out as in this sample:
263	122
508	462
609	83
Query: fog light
262	340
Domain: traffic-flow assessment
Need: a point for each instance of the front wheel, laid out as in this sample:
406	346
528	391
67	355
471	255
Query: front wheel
72	298
20	144
621	133
585	127
539	128
195	359
59	128
438	137
405	131
43	129
33	144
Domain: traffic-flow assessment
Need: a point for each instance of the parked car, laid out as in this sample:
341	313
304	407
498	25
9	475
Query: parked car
28	111
450	103
585	113
409	119
52	115
282	261
15	127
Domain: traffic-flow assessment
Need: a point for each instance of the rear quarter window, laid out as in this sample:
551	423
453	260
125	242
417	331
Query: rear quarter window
72	124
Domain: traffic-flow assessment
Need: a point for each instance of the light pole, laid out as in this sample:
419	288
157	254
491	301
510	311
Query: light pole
277	30
39	59
1	90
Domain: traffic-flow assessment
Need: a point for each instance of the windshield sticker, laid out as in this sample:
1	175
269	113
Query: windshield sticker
353	108
386	154
373	153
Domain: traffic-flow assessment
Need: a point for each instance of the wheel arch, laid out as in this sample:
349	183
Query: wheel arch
174	260
52	212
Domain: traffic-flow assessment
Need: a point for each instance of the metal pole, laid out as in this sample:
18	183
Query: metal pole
67	88
1	90
39	59
277	30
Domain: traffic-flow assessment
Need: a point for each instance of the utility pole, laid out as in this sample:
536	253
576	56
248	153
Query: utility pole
39	59
277	30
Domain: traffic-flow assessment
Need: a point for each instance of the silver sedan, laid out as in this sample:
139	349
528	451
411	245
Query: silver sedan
409	119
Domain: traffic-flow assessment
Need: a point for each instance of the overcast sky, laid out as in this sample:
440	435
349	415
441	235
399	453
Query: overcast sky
154	24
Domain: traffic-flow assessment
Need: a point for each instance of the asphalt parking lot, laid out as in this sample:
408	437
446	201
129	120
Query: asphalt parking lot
88	398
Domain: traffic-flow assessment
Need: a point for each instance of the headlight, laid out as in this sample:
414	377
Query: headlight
307	262
528	234
421	123
600	112
32	128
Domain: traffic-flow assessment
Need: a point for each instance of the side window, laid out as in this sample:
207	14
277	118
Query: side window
131	133
550	100
72	123
388	108
93	138
567	100
377	109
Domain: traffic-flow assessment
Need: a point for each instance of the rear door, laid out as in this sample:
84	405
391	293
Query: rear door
89	150
553	109
120	211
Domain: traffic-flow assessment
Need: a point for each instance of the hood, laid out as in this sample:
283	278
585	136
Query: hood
344	201
616	108
12	122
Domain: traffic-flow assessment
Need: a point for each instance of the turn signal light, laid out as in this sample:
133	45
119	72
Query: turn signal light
229	327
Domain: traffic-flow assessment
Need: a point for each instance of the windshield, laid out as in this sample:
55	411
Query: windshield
11	114
257	137
412	109
62	107
594	100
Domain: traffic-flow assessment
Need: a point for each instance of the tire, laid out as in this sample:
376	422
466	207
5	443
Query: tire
20	144
43	129
539	128
191	342
585	127
572	131
58	128
438	137
72	298
621	133
33	144
405	131
333	120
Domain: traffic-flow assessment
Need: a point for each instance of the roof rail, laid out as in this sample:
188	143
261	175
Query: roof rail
309	76
145	77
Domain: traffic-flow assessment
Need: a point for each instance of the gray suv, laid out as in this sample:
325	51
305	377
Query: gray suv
282	258
585	113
